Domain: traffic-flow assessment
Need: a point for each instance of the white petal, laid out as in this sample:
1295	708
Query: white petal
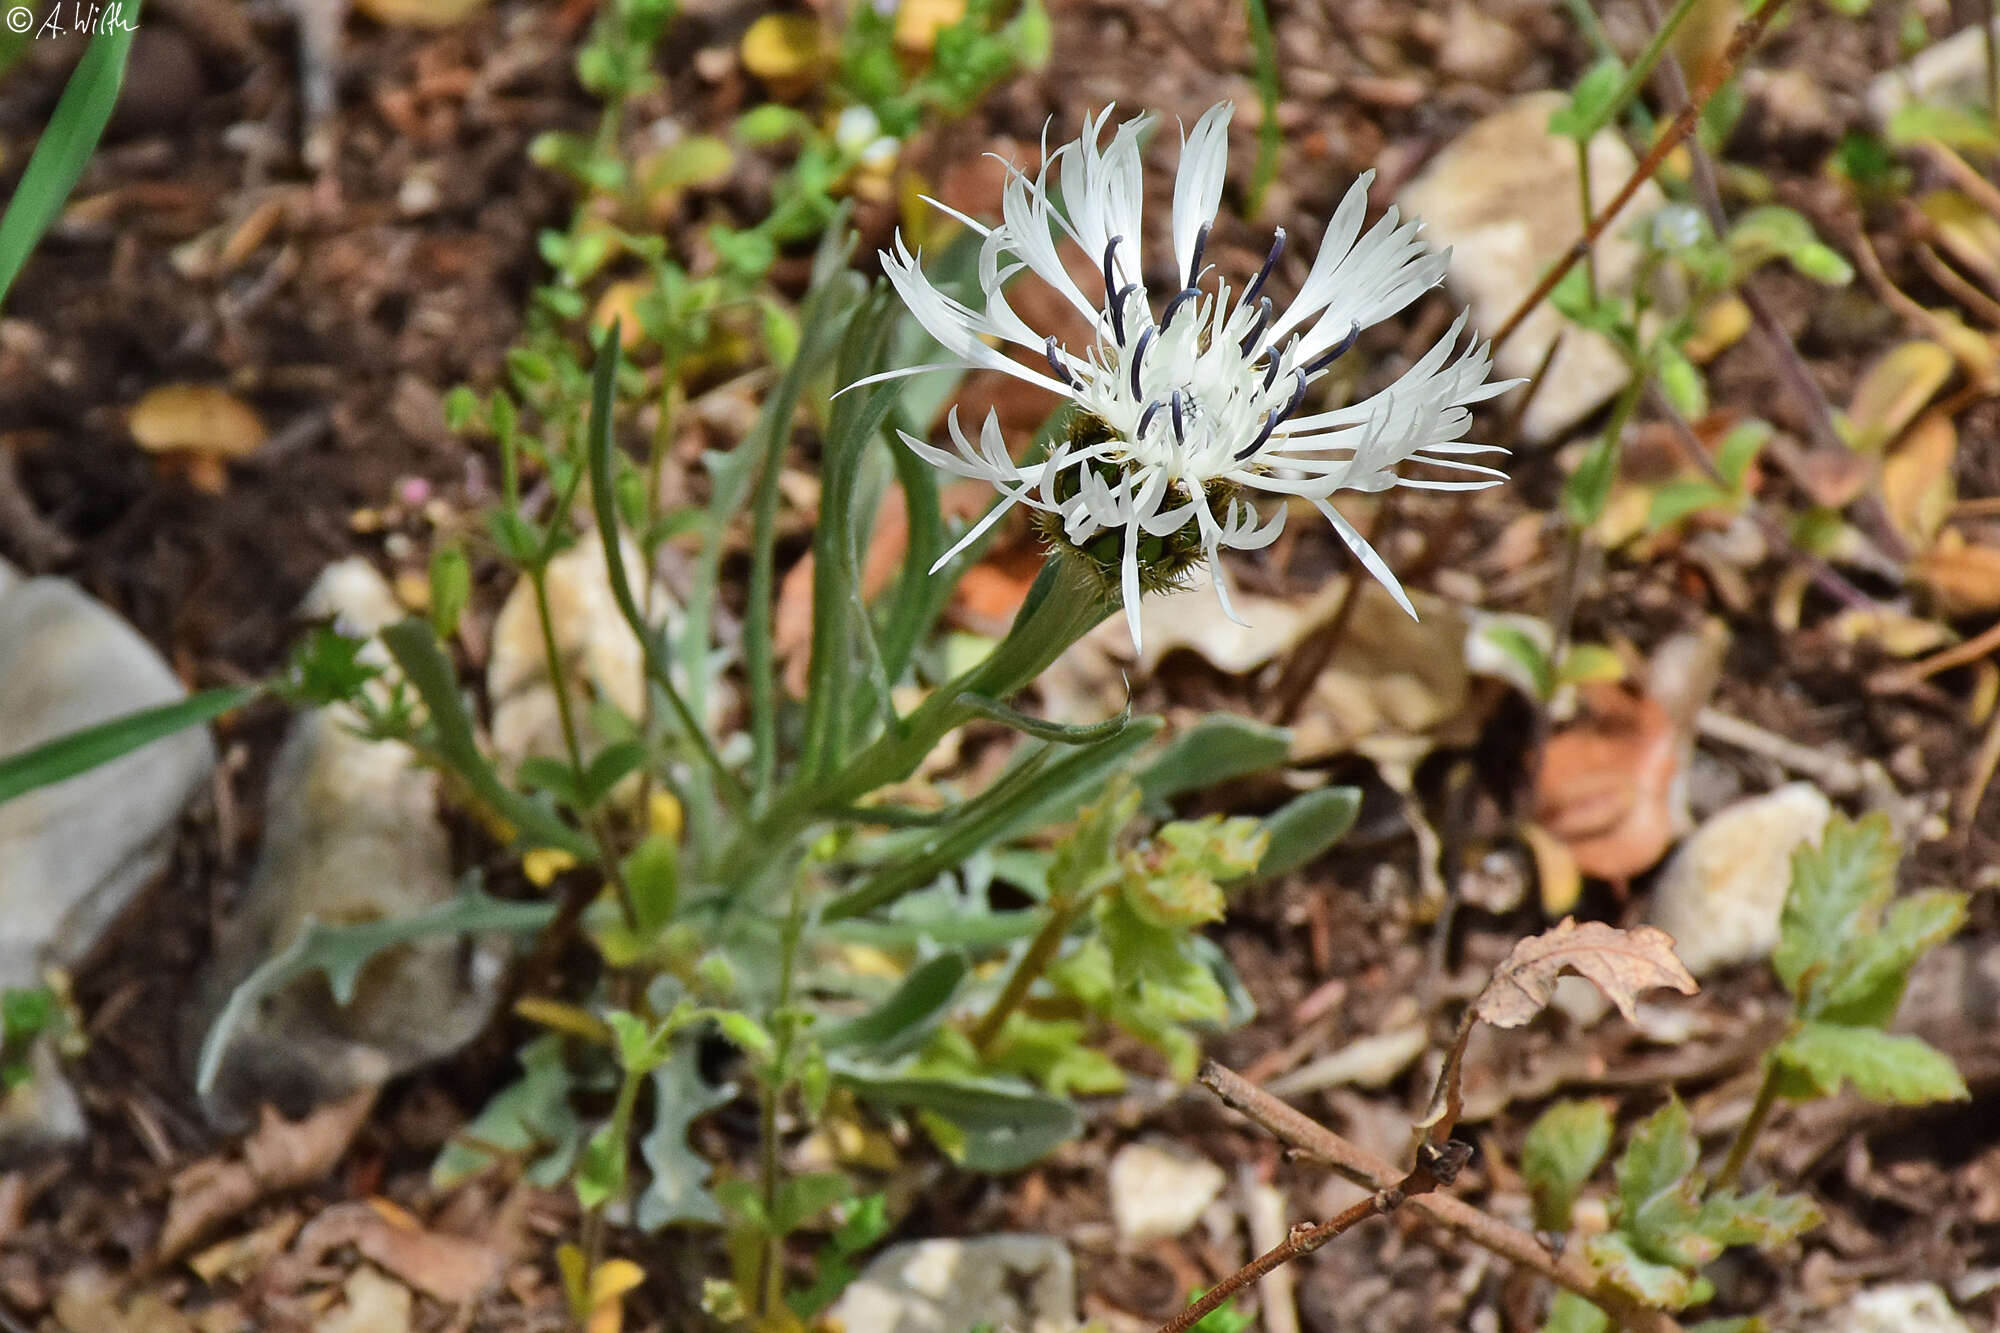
1365	553
1198	182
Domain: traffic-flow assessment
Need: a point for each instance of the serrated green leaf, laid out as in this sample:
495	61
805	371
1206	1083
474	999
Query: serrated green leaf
1906	1071
1562	1150
1866	983
1657	1284
1657	1188
1571	1313
530	1120
1086	859
677	1190
1836	888
1764	1219
1153	963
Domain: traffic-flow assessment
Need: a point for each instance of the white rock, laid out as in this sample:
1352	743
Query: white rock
1721	894
74	855
1158	1191
1504	196
9	576
1366	1062
1950	73
351	835
1026	1283
1905	1307
601	657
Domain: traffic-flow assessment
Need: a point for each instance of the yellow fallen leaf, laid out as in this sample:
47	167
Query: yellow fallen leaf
1963	579
1968	233
918	23
195	418
664	818
543	864
786	51
1556	873
418	13
609	1285
1894	390
1918	488
1719	325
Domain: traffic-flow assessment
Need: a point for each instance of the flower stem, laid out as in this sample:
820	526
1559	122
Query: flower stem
1041	951
1067	602
1753	1125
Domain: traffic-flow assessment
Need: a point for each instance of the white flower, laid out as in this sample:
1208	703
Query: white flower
1190	398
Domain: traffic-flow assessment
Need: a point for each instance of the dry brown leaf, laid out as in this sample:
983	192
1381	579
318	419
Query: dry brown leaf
1963	579
452	1269
195	418
1967	231
279	1155
1894	390
371	1303
1918	489
1621	963
1605	782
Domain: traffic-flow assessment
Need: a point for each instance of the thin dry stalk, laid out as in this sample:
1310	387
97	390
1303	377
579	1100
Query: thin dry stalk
1748	33
1322	1144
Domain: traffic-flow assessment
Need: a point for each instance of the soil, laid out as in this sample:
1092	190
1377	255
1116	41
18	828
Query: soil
355	293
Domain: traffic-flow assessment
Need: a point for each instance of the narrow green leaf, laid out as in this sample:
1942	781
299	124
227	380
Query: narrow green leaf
65	147
1210	752
340	952
1059	733
80	751
906	1017
1562	1150
1305	826
1906	1071
416	651
1005	1127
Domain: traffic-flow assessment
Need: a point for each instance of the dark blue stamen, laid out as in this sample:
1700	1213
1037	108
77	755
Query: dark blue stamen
1139	356
1334	353
1180	426
1277	418
1181	298
1256	333
1146	419
1194	260
1118	310
1270	262
1056	364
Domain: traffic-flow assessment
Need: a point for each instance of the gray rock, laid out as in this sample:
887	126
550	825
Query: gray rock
74	855
1904	1307
1158	1190
1504	196
1026	1283
1721	895
351	835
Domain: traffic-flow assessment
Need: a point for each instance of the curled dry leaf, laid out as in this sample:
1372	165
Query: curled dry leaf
451	1269
195	418
1894	390
279	1155
1621	963
1917	485
1605	785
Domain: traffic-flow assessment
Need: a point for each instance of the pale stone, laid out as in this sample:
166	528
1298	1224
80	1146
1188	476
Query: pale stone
1504	196
351	835
1159	1191
1366	1062
75	854
1904	1307
1480	48
1026	1283
1950	73
601	656
1721	895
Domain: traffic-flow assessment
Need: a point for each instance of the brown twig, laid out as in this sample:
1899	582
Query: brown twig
1748	33
1448	1211
1434	1168
1907	677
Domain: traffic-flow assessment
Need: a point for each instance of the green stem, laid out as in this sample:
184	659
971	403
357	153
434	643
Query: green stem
771	1288
1041	951
1753	1125
1583	203
1068	600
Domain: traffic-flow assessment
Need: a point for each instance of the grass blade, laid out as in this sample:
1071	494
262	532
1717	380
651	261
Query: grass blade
80	751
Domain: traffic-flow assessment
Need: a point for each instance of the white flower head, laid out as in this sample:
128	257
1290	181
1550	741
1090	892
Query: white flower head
1188	401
